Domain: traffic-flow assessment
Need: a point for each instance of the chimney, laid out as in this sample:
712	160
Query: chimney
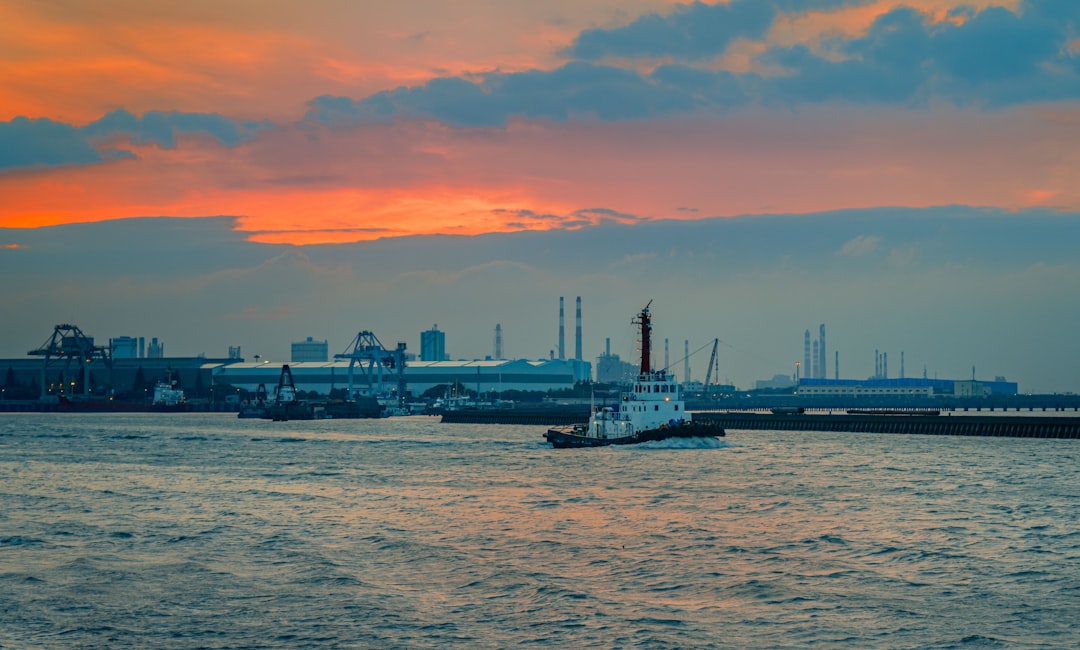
577	337
686	360
562	334
665	355
809	369
824	371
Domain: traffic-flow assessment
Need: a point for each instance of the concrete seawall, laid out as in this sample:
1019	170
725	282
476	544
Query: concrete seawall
940	425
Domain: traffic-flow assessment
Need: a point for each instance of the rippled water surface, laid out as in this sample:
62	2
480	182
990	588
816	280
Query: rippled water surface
196	530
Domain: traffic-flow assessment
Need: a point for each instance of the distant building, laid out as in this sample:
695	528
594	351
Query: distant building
124	347
778	381
433	345
610	369
310	350
480	376
909	387
156	349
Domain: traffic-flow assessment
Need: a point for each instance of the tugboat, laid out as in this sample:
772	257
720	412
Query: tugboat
651	410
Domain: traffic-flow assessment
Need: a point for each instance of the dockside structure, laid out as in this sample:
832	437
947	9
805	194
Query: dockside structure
481	375
896	388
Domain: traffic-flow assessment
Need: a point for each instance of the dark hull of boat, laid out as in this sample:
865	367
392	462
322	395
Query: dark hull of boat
566	438
118	406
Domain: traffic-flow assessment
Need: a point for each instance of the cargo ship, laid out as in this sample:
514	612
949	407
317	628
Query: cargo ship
167	399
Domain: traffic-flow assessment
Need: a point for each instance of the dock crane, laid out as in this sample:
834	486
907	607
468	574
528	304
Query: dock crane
713	362
377	364
69	345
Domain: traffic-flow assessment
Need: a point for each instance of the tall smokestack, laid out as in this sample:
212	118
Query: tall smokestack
836	365
901	364
498	341
607	346
884	365
877	364
808	370
577	336
686	360
821	352
817	362
665	355
562	332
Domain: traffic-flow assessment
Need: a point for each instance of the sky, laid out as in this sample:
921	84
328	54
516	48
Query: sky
254	172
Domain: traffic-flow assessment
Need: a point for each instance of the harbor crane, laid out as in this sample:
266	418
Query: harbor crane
69	345
377	365
713	362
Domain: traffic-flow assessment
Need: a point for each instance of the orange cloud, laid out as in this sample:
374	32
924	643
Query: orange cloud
811	27
306	186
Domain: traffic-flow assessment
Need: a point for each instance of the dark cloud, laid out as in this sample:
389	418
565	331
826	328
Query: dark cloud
993	57
577	89
689	33
43	142
161	127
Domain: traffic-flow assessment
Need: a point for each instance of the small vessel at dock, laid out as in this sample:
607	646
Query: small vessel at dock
651	410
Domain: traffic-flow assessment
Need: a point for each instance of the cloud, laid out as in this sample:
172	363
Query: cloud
993	57
43	142
161	127
860	246
577	89
689	33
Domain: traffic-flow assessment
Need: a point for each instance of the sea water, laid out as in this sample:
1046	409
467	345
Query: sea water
208	531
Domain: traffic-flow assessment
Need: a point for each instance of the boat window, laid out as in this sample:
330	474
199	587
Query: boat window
676	407
656	408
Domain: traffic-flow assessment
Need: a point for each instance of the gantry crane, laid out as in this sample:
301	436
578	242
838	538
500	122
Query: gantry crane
70	345
377	363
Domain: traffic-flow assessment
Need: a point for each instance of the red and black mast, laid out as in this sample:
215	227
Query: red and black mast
645	320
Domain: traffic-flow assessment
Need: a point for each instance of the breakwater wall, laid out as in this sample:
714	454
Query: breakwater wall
940	425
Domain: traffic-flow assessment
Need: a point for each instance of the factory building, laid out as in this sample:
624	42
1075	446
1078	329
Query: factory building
910	387
610	369
482	375
310	350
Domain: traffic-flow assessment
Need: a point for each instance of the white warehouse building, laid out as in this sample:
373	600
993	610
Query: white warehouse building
481	375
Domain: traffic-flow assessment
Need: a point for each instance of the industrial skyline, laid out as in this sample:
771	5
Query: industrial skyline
608	366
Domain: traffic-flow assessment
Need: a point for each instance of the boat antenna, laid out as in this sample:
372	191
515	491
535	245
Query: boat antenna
645	321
